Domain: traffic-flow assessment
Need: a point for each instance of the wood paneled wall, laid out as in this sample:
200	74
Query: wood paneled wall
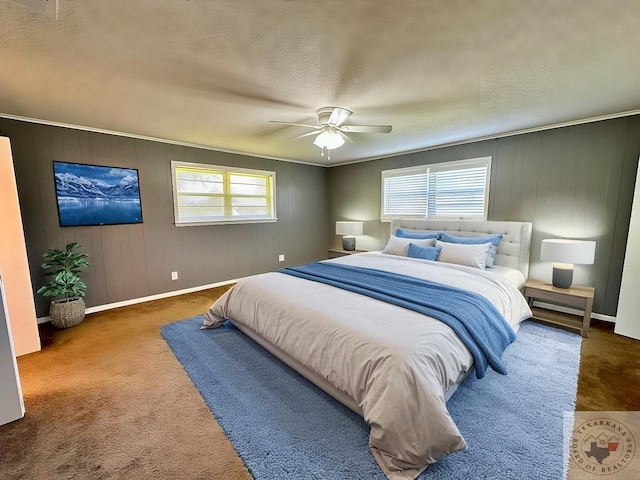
133	261
572	182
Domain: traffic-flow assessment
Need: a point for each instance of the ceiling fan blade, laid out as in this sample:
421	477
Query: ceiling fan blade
305	135
338	116
366	128
316	127
345	136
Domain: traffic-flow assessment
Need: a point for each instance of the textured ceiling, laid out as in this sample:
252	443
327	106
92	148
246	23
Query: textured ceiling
213	73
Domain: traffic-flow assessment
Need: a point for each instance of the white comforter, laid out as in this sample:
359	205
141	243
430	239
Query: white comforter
394	363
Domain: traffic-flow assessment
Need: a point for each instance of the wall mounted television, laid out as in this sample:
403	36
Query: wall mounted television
96	195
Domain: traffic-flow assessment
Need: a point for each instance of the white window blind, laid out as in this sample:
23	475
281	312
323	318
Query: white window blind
405	192
443	190
208	194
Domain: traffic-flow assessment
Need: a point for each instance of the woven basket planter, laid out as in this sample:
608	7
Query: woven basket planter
67	314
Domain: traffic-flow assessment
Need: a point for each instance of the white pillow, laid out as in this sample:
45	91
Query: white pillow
400	246
461	254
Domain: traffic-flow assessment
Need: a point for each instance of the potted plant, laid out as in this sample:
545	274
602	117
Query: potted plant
66	289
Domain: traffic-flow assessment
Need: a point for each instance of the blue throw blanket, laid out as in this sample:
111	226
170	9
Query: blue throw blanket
471	316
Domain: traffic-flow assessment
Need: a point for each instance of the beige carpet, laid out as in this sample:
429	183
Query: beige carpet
108	400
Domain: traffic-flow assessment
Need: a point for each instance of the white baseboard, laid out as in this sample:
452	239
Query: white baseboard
133	301
558	308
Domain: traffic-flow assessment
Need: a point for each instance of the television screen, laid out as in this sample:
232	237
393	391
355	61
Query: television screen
96	195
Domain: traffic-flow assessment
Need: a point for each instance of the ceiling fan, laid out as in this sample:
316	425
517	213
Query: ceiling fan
331	131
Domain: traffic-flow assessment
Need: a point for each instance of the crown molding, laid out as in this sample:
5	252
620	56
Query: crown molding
152	139
511	133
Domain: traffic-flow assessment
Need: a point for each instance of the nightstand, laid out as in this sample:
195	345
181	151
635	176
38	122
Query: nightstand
575	296
338	252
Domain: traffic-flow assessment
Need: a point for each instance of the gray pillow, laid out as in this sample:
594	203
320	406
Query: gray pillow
400	246
493	239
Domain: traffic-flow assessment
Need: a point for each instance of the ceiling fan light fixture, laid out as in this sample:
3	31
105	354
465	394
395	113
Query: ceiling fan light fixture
331	130
329	138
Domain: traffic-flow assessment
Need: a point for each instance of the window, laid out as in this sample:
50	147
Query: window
457	190
209	194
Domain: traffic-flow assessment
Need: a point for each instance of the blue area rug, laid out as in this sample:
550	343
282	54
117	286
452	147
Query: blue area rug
284	427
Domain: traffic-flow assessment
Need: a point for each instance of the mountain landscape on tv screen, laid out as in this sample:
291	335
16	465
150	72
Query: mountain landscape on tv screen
96	195
71	185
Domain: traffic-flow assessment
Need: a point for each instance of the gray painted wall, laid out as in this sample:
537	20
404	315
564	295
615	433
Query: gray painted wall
572	182
133	261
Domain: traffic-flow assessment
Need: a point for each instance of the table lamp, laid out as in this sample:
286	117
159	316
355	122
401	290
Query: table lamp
349	230
565	253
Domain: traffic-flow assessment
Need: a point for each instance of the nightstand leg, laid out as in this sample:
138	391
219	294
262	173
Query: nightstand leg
586	320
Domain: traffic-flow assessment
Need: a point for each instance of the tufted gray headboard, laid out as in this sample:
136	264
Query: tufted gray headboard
513	250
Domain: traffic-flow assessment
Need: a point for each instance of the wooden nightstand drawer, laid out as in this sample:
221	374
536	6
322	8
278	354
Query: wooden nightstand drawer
565	299
338	252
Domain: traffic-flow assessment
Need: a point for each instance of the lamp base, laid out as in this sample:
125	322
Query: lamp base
562	277
348	243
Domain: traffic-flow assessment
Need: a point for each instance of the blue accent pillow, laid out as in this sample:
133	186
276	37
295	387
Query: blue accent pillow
402	233
494	239
426	253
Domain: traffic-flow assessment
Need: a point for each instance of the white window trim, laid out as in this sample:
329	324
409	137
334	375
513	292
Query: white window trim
435	167
225	220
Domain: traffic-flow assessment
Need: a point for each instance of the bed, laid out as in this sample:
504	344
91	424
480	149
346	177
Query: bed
393	365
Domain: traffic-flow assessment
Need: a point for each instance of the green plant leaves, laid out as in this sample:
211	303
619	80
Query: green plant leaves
65	266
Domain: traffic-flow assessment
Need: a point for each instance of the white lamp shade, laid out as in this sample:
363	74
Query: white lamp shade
349	228
329	139
568	251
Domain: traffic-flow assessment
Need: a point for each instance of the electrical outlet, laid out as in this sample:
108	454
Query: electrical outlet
174	275
281	258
